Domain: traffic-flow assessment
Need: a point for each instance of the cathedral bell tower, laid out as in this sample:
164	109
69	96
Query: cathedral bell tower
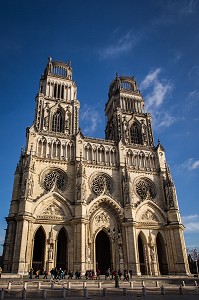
57	107
127	120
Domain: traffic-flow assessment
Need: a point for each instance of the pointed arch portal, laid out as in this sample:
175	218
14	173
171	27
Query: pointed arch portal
38	250
162	259
141	256
62	250
103	252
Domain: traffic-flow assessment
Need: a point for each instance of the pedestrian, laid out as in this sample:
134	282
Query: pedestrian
45	274
120	275
30	273
37	274
52	273
98	274
70	275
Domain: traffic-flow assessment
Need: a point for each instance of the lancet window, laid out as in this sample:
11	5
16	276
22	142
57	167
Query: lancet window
57	122
135	134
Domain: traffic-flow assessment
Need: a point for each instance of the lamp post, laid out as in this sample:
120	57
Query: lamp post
116	237
196	254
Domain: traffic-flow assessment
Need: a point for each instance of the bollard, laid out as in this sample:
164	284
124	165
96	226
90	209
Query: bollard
86	292
63	293
39	285
25	285
183	283
180	290
24	294
99	284
131	284
143	291
68	285
84	284
68	293
195	283
117	281
52	285
9	285
2	294
124	291
44	294
104	292
143	284
157	284
162	290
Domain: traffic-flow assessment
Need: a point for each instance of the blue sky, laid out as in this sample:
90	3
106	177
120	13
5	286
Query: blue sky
155	41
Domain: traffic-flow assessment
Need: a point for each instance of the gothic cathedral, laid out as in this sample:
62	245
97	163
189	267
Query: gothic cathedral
87	203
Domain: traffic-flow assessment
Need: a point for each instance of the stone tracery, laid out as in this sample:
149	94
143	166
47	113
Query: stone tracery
101	183
56	178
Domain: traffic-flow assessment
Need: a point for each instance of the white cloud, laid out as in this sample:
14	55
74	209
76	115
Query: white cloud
189	7
164	119
192	100
157	89
191	223
190	164
150	79
90	119
123	45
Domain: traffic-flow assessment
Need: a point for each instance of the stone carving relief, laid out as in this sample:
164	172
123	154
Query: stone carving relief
149	216
52	212
102	219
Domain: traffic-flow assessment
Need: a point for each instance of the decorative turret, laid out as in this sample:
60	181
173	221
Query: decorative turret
57	106
126	119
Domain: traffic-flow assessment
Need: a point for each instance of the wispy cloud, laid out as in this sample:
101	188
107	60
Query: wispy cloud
189	7
156	90
192	100
191	223
190	164
90	119
119	46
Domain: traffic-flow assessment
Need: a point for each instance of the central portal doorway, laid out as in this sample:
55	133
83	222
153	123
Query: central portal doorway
62	251
103	252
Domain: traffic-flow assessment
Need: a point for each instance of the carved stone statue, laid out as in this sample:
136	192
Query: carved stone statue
50	253
120	254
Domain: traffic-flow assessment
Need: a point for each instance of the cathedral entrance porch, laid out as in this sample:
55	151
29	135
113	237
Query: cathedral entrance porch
62	255
38	252
103	253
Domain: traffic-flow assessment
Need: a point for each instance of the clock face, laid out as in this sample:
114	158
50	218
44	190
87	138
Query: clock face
56	178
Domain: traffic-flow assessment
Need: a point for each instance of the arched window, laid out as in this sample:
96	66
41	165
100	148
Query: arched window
135	134
57	122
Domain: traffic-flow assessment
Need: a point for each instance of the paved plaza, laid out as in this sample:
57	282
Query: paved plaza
168	288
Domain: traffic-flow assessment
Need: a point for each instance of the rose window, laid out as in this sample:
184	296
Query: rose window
101	183
145	187
55	178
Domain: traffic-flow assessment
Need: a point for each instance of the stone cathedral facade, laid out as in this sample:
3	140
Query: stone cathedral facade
85	203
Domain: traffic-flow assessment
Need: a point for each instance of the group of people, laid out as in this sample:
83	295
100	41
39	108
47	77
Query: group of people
89	274
128	274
